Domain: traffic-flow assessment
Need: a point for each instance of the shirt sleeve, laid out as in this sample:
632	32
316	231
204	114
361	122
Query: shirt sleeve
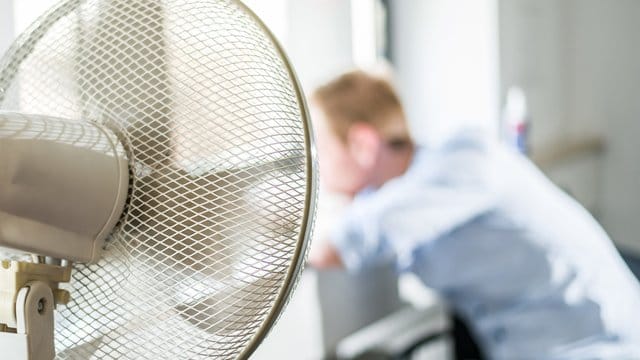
359	239
398	219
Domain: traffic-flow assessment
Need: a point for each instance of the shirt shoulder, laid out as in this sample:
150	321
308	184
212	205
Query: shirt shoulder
442	190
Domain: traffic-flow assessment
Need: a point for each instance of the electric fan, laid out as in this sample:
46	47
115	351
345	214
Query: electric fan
156	182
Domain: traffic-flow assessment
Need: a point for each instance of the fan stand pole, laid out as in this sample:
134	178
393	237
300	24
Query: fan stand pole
29	294
33	337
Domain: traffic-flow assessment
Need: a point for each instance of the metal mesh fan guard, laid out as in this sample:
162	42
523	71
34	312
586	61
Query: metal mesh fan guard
214	124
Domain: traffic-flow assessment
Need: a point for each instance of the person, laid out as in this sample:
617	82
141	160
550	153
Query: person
529	269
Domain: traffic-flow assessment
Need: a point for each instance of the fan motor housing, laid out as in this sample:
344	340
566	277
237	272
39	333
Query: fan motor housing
63	186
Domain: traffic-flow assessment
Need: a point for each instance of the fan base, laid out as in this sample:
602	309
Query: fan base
33	336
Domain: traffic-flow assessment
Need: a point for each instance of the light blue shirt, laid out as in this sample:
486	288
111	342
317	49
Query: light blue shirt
532	272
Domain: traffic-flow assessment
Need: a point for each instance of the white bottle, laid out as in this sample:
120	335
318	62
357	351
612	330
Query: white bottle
515	120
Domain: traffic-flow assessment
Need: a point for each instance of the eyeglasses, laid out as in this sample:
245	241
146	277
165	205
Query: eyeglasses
399	143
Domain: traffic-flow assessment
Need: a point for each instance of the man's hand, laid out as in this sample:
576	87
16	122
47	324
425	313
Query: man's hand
324	256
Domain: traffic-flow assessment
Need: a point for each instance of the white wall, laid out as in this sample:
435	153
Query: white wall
607	85
534	56
6	24
579	62
538	53
15	16
319	39
446	56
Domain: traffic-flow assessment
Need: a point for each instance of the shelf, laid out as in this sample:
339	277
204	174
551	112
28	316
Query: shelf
559	152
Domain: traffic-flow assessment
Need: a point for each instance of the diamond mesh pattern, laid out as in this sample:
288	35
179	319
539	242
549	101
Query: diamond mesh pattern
217	220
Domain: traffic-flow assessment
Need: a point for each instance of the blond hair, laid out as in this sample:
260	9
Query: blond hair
357	97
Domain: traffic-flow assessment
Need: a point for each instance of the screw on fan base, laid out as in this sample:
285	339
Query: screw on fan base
28	295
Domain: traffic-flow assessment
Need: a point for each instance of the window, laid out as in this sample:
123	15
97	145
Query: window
369	31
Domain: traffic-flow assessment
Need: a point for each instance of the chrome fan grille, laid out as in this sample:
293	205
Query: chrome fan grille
221	196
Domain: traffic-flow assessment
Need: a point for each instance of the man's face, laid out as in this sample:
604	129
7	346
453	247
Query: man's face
339	172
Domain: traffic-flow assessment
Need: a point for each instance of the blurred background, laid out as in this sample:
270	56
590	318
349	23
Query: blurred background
565	74
576	61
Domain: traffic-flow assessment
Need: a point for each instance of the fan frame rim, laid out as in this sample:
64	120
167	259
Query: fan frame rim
311	196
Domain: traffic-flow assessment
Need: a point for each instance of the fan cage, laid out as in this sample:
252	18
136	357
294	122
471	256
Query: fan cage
163	288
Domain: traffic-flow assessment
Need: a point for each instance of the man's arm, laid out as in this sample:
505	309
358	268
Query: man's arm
331	209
